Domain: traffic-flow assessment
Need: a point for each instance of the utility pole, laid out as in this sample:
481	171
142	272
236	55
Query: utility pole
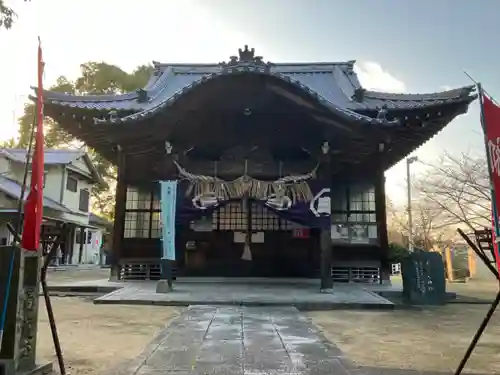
409	161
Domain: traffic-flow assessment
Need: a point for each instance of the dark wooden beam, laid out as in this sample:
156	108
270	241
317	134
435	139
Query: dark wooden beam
381	217
326	248
119	222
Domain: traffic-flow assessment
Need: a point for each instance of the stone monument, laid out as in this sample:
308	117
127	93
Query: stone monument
18	351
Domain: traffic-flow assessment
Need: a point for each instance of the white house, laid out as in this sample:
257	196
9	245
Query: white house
68	180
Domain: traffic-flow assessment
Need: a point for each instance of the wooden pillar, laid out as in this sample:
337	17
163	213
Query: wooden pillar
449	264
471	258
381	217
119	222
70	243
81	235
325	175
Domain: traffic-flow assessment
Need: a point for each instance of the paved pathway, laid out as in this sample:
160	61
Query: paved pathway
241	340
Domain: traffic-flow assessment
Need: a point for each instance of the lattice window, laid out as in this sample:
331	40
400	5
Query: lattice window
340	217
156	231
362	198
339	195
136	225
354	204
215	220
263	219
156	202
363	218
138	199
140	220
232	217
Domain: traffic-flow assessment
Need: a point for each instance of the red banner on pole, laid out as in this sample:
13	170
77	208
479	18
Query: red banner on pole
491	125
33	209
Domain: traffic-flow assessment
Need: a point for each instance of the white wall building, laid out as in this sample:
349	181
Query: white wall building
68	180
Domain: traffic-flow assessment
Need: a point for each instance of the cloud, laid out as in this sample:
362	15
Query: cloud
374	77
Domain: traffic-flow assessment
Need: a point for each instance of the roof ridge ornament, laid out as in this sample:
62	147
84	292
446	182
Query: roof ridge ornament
246	61
142	95
359	94
382	113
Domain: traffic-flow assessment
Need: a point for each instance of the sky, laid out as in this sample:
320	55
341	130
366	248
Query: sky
399	45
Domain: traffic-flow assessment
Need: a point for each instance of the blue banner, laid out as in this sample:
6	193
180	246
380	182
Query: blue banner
168	214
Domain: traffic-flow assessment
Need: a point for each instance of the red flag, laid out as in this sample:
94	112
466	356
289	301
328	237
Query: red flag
491	124
33	209
494	237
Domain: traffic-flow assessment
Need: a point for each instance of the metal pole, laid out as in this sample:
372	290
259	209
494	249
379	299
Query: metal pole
410	219
18	223
478	335
50	310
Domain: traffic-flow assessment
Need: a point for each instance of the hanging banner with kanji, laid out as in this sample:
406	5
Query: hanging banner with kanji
491	126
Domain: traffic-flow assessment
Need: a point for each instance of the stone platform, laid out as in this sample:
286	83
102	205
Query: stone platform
303	294
240	341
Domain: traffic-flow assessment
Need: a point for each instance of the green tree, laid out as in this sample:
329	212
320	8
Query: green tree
7	15
397	252
95	78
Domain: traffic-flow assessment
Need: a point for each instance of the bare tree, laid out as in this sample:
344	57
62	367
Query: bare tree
458	188
428	225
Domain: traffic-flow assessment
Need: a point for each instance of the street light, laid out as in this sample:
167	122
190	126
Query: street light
409	161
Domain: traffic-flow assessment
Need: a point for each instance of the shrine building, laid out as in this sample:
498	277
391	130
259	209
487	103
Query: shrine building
280	167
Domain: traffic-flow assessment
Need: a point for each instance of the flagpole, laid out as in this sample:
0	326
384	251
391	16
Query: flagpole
481	91
496	302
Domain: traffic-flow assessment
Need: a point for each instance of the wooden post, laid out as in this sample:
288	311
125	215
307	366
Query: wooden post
81	234
119	222
449	263
471	258
381	217
326	246
437	249
326	260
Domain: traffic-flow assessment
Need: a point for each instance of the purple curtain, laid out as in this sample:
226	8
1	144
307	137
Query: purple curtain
313	214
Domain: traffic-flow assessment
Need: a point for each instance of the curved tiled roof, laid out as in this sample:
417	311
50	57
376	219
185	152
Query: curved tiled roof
168	100
334	85
373	99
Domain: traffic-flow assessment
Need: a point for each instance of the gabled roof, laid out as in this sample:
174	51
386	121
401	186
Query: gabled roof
13	189
55	157
335	85
52	156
